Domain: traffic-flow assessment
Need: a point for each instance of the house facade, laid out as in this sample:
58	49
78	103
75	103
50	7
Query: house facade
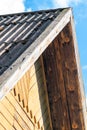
41	85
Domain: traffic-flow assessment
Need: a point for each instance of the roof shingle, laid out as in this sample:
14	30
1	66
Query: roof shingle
18	31
23	38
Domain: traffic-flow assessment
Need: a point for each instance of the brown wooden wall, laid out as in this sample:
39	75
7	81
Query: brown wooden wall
25	107
63	83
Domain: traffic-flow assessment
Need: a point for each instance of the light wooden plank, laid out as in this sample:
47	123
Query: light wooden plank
26	84
24	96
20	110
5	123
42	107
40	111
34	68
34	99
8	105
9	117
38	87
2	127
20	91
12	110
27	77
35	78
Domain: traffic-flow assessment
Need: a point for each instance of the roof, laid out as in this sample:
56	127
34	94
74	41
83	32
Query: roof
18	31
23	37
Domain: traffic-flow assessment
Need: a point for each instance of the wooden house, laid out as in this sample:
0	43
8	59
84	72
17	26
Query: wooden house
40	78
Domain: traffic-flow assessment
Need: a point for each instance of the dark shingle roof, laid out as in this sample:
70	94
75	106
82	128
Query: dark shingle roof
23	38
18	31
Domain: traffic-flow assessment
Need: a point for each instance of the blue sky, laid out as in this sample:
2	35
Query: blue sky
80	16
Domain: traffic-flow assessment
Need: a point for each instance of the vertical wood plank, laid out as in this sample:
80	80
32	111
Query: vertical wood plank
55	88
71	80
45	87
63	83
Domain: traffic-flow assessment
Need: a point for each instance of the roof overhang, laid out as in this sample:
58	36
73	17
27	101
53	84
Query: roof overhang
10	77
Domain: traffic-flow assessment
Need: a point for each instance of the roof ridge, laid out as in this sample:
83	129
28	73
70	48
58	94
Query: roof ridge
35	11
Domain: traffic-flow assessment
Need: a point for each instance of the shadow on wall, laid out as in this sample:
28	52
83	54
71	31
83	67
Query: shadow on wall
43	101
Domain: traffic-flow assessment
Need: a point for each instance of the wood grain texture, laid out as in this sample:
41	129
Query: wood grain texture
71	79
25	106
63	83
12	113
55	87
83	96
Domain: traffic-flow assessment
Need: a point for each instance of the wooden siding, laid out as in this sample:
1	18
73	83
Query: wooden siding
63	83
26	106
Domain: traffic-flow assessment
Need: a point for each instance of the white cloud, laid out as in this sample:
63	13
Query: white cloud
65	3
11	6
84	67
29	9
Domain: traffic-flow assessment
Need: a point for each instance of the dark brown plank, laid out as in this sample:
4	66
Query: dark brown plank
62	83
55	87
71	80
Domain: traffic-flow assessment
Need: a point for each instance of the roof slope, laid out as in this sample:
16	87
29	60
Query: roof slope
23	37
18	31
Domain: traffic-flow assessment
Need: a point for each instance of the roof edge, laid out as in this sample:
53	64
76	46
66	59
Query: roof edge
27	59
82	92
35	11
